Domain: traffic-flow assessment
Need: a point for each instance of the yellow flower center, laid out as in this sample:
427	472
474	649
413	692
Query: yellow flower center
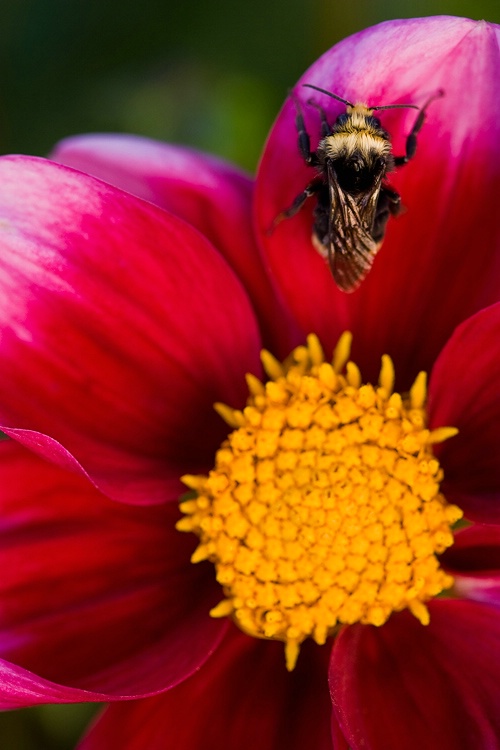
324	506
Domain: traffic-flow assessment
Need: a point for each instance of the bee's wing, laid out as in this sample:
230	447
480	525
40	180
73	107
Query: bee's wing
351	248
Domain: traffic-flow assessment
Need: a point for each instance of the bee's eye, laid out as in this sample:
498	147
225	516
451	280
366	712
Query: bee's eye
380	163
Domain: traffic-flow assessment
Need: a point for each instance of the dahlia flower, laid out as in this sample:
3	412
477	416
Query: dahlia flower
315	587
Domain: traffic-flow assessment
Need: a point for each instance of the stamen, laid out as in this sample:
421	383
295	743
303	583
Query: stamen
418	391
353	375
386	379
315	350
323	507
255	387
441	434
272	367
342	351
232	417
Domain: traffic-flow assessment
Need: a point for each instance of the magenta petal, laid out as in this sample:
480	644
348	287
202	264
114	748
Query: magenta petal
242	699
99	599
440	261
408	686
209	193
20	688
474	562
121	326
464	392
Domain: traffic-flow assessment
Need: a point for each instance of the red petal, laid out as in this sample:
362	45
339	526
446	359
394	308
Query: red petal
474	562
464	392
338	739
97	596
408	686
242	698
209	193
116	336
440	261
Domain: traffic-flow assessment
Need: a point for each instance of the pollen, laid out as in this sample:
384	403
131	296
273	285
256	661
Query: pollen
324	506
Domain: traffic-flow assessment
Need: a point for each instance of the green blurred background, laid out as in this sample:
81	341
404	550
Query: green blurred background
210	74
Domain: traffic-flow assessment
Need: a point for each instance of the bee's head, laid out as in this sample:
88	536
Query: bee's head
357	172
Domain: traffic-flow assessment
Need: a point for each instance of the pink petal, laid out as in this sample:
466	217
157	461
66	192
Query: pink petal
98	599
121	326
408	686
209	193
464	392
474	562
242	698
440	261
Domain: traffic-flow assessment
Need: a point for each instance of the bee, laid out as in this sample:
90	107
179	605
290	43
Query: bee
354	202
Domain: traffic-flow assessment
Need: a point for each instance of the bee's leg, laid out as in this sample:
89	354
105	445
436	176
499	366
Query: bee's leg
393	201
304	142
299	201
325	127
411	141
297	204
389	204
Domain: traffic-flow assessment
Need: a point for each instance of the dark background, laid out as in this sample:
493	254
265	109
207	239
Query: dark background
210	74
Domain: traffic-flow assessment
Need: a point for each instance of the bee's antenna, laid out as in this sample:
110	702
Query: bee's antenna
328	93
439	93
396	106
349	104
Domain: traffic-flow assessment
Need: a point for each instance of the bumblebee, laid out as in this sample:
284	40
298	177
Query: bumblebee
354	202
